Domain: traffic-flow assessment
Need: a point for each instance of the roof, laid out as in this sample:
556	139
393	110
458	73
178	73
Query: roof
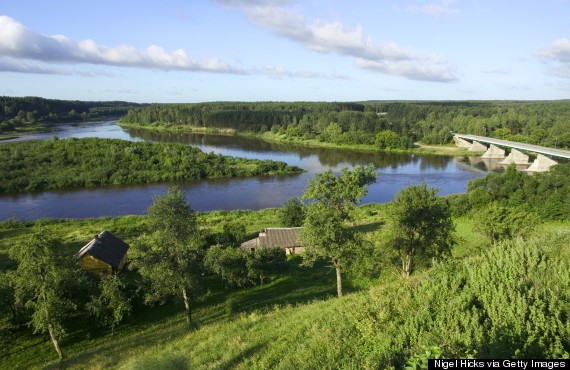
106	247
276	237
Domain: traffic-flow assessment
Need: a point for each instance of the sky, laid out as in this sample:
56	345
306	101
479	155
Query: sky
179	51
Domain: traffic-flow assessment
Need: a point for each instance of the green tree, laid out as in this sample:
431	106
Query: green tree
112	304
331	200
229	263
263	262
386	140
422	225
171	258
7	295
499	223
292	213
41	282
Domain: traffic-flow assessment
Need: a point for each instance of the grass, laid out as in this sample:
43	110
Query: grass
253	327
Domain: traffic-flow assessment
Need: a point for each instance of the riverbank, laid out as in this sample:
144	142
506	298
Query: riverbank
270	137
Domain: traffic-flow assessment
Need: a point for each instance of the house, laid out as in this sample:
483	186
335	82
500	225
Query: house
104	254
285	237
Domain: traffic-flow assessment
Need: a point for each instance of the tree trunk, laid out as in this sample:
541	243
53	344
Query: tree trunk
187	311
338	280
406	265
54	341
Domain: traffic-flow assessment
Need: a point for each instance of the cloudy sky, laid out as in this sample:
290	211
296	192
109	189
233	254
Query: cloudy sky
285	50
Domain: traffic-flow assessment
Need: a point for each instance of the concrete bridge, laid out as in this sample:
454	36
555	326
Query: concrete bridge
496	150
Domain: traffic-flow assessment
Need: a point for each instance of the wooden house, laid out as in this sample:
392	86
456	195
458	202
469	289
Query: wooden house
104	254
285	237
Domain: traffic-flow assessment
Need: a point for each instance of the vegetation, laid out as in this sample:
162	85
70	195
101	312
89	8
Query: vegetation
293	213
383	125
497	289
422	225
171	257
331	201
448	306
545	194
58	164
21	114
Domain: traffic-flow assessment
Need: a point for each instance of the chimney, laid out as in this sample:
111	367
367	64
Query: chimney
96	238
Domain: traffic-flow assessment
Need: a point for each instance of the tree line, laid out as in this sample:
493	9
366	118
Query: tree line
58	164
19	112
387	125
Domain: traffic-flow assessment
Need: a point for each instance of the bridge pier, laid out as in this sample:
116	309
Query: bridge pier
461	142
477	147
541	164
494	152
515	157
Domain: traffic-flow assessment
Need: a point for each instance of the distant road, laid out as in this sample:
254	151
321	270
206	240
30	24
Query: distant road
559	153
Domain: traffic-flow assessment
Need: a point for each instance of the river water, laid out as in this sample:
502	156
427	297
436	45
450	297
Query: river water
395	172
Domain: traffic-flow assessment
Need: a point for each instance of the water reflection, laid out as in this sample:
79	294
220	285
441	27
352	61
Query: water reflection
396	171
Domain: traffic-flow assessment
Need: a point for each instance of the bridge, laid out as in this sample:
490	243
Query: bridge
496	150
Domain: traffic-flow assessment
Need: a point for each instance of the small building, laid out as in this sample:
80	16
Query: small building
284	237
104	254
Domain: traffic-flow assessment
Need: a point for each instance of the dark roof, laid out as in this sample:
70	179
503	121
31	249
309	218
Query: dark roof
276	237
106	247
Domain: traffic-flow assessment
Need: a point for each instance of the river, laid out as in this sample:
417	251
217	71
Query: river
395	172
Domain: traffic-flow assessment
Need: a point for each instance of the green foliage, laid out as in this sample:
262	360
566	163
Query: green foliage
387	140
229	263
422	225
231	235
499	223
39	165
546	194
41	283
263	262
342	192
292	213
112	305
537	122
332	199
17	113
420	360
171	258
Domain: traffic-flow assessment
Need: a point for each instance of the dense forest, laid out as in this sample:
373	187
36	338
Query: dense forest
17	113
386	124
57	164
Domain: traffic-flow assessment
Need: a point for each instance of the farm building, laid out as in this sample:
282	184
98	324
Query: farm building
287	238
104	254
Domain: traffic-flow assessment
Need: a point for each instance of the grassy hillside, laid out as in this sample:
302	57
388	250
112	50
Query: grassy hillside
523	315
294	321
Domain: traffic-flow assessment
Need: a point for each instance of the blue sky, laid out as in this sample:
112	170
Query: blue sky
285	50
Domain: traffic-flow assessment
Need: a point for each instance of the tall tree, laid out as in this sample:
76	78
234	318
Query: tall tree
292	213
172	257
112	303
41	281
331	200
422	225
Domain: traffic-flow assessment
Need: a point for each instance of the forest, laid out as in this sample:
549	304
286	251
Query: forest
383	124
57	164
414	276
20	113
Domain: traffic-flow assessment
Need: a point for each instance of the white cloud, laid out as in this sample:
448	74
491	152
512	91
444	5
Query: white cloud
410	70
557	56
335	37
18	42
279	72
25	51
